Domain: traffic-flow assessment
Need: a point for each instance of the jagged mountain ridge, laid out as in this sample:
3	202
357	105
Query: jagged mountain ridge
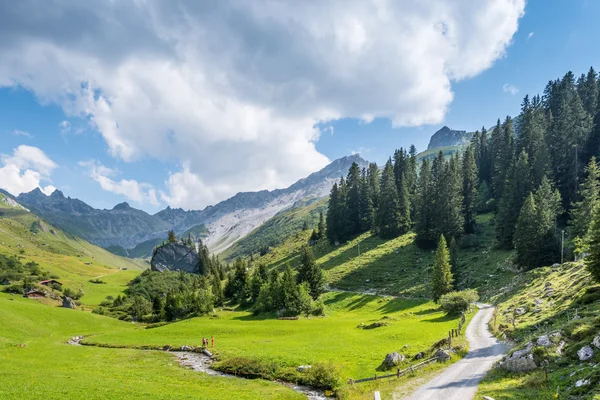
226	221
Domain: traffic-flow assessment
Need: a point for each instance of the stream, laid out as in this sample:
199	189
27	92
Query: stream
202	363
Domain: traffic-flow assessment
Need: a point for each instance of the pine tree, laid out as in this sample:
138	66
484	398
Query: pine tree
469	189
424	222
531	138
343	216
442	279
502	155
311	273
388	213
332	213
353	200
321	226
588	91
592	261
367	211
411	180
217	290
589	193
448	200
527	234
454	263
373	178
517	187
482	157
171	237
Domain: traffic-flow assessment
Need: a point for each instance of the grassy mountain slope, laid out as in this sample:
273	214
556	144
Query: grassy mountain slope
273	232
72	259
572	310
447	150
397	266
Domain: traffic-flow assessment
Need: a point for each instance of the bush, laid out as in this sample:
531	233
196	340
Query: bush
457	302
72	294
323	376
97	281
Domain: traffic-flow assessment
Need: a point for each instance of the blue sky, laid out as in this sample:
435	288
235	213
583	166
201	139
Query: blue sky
150	132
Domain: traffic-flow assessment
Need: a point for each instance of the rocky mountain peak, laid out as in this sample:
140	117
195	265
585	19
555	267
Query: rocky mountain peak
446	136
124	206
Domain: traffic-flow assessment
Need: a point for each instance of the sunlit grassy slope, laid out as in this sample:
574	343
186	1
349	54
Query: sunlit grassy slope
398	267
72	259
573	310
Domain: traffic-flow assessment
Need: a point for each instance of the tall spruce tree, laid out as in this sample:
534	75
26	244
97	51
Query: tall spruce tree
441	280
353	208
367	211
450	218
373	178
469	188
424	222
321	226
517	187
482	157
454	263
343	216
592	261
332	214
589	194
532	138
502	155
527	235
388	212
411	179
311	273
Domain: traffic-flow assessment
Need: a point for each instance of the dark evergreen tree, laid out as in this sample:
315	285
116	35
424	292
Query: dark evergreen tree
526	234
353	209
517	187
450	220
454	263
388	212
592	261
589	194
441	281
424	223
531	138
469	189
332	214
502	155
411	180
321	226
367	211
310	273
482	157
373	178
171	237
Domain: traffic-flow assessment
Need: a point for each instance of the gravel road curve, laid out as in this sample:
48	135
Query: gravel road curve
460	380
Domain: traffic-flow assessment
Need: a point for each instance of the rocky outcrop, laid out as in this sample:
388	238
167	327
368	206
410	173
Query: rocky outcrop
448	137
175	257
67	302
520	360
442	355
585	353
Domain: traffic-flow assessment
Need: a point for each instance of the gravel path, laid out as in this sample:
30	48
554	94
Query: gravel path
460	380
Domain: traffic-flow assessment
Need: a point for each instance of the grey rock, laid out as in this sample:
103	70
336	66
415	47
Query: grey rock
176	257
67	302
392	359
487	398
560	347
596	341
520	311
442	355
304	368
419	356
519	363
544	341
582	382
585	353
448	137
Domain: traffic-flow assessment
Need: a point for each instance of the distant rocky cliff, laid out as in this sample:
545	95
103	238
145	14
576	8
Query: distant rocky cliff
175	257
449	137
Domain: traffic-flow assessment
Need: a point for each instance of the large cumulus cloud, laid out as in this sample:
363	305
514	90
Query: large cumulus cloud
233	89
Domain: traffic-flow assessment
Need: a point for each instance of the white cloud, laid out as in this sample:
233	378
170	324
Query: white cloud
142	193
235	90
18	132
25	169
509	88
530	35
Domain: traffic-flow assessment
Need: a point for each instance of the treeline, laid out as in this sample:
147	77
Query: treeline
537	173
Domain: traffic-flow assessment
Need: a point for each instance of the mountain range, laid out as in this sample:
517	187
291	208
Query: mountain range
124	228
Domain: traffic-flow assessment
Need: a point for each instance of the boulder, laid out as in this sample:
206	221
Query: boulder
519	311
176	257
519	363
544	341
442	355
560	347
304	368
67	302
585	353
487	398
419	356
596	341
582	382
392	359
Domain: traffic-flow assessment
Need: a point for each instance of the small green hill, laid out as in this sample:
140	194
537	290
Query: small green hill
72	259
274	232
446	150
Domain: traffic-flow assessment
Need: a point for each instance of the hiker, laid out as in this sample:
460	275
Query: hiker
212	339
203	342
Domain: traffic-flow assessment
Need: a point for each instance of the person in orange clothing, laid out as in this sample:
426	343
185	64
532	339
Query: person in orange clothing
212	339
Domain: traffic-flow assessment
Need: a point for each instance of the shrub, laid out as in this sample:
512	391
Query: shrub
97	281
72	294
323	376
457	302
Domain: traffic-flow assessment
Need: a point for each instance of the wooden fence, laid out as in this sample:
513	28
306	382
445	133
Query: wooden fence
398	374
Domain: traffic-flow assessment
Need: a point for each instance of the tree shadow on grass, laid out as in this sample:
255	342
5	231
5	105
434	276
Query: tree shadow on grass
396	305
367	244
441	318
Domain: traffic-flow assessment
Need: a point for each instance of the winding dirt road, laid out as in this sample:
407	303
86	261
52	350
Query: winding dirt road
460	380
